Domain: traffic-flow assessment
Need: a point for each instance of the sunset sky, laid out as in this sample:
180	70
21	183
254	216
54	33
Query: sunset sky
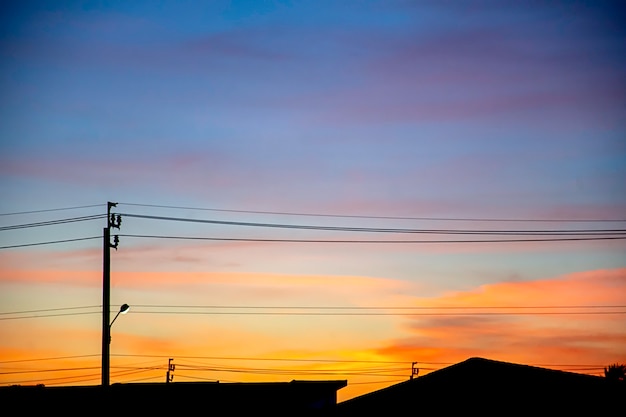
311	189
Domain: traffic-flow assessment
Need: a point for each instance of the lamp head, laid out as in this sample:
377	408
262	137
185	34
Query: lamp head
124	308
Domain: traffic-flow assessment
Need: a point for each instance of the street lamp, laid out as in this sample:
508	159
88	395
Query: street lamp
123	310
105	346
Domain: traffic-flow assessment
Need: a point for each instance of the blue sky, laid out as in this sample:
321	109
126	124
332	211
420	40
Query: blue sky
427	109
395	101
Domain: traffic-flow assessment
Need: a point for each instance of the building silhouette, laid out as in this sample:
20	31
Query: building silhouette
481	386
476	386
306	398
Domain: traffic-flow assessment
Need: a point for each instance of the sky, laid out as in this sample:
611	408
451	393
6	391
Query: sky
311	189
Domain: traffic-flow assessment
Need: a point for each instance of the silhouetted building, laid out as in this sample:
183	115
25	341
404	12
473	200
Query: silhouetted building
308	398
474	387
485	387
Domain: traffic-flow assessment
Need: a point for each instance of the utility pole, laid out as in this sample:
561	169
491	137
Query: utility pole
169	376
112	221
414	370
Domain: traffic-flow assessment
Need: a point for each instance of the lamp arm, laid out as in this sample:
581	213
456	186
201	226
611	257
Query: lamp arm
118	313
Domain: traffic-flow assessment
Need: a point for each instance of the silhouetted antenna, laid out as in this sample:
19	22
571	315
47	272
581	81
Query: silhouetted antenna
169	377
414	370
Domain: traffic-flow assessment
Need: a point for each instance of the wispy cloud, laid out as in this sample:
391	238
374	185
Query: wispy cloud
274	287
525	338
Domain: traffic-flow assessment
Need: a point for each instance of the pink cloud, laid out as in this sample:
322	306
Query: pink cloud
65	277
278	286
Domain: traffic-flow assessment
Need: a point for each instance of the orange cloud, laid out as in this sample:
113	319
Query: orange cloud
581	288
535	336
67	277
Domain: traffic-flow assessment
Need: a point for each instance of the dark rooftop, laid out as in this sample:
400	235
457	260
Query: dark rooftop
273	398
486	386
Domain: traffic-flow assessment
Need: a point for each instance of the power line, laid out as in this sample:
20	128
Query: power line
378	307
350	241
120	374
382	373
52	242
53	222
148	378
279	313
309	313
48	210
78	378
271	359
226	307
186	366
565	232
38	316
406	311
194	377
48	309
377	382
349	371
49	359
60	380
33	371
282	213
274	359
279	371
367	372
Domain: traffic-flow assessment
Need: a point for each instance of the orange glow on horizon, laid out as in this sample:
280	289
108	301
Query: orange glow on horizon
370	352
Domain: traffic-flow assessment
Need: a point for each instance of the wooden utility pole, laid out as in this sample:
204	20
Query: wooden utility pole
106	289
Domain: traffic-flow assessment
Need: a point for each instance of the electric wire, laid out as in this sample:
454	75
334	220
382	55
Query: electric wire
293	314
380	310
338	311
195	377
244	358
379	307
547	235
36	316
50	359
125	370
389	381
52	209
338	314
276	359
203	367
278	371
137	371
358	371
144	379
32	371
61	380
358	241
547	232
51	242
53	222
247	307
45	310
582	234
282	213
72	379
